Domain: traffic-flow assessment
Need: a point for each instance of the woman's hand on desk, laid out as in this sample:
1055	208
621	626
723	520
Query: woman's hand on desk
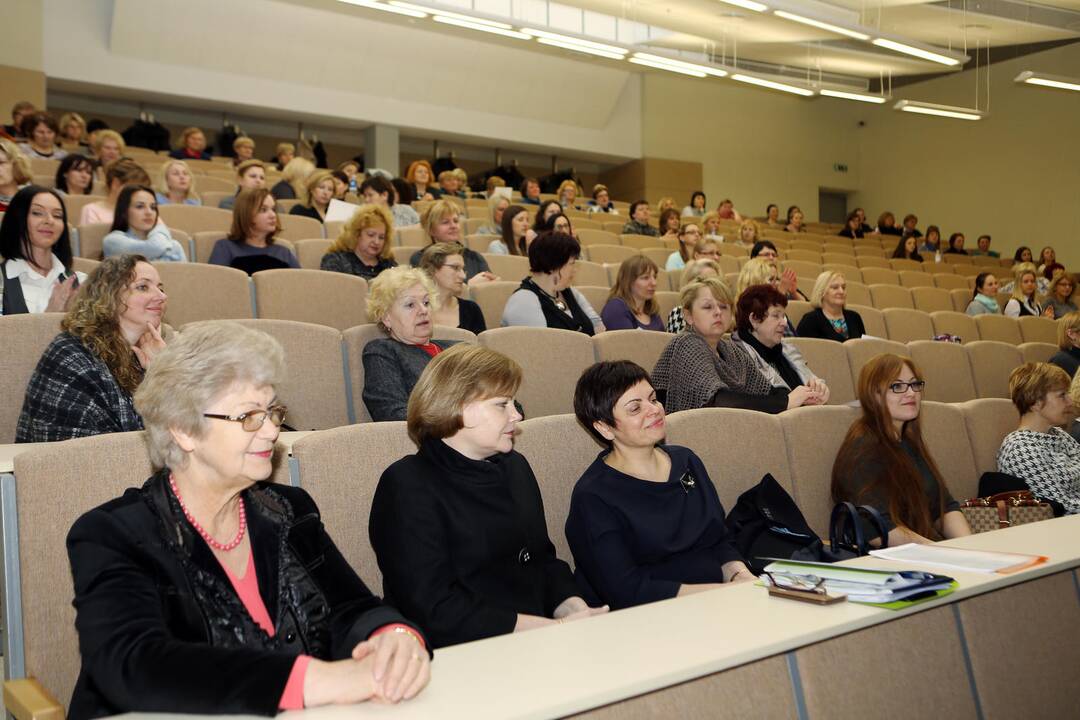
574	608
341	682
402	666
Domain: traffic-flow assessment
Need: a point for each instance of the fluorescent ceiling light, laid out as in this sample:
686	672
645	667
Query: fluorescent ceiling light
447	14
821	25
386	8
483	28
772	85
1052	81
861	97
915	52
948	111
715	72
580	48
574	41
669	68
747	4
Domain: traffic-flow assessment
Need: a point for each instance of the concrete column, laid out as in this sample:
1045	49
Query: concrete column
382	148
21	56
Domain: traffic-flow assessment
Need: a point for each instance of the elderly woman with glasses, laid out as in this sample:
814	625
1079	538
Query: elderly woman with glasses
210	589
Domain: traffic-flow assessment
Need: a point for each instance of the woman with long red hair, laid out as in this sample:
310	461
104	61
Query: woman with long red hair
884	462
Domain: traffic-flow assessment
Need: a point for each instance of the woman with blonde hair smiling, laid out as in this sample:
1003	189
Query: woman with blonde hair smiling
363	247
567	194
72	132
176	185
14	172
1025	287
631	305
315	200
830	319
442	223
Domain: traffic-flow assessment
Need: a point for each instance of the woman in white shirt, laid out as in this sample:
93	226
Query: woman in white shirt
136	230
1025	287
177	185
36	275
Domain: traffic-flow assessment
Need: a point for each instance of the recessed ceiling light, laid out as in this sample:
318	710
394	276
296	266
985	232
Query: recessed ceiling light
947	111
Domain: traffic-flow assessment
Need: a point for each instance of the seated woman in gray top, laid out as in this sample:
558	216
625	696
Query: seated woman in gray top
1068	355
400	300
250	245
1060	296
135	228
250	175
377	190
363	247
984	299
884	463
545	298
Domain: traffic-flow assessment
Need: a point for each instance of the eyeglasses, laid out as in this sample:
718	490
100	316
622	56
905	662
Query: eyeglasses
801	583
253	421
902	387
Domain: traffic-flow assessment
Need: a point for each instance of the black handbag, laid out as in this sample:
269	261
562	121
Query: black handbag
846	528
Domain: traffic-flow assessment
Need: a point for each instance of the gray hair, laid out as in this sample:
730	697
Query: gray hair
203	362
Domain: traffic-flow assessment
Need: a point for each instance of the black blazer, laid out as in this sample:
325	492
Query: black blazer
814	324
161	628
306	211
463	545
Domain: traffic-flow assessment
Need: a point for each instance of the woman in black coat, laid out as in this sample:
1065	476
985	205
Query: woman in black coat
458	528
210	590
830	320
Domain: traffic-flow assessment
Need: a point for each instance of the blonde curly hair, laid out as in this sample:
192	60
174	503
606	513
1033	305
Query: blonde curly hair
366	216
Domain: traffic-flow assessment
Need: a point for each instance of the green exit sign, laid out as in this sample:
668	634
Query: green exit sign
839	167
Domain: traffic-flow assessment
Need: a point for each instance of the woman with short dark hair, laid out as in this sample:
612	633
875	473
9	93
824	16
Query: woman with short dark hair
546	298
41	131
75	175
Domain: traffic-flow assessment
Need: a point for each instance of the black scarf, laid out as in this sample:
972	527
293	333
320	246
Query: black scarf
774	356
556	318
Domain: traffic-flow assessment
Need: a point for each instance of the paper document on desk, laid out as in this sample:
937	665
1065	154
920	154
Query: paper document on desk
981	561
862	584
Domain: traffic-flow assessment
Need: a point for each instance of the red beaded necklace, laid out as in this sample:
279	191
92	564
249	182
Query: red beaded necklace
224	547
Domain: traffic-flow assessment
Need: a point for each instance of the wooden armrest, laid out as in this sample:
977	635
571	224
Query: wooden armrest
27	699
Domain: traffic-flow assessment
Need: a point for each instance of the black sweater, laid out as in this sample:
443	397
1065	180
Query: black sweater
814	324
463	545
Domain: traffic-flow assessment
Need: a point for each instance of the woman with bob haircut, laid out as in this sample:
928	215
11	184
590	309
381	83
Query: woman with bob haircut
601	201
931	241
670	224
72	132
41	131
211	589
75	175
760	328
497	206
852	227
884	463
250	175
772	215
515	231
249	245
400	301
688	237
749	233
294	178
886	224
694	269
15	172
445	263
107	146
362	248
124	171
243	150
1046	457
1025	287
377	190
567	195
36	274
984	298
136	229
701	368
696	208
830	319
315	200
442	223
85	379
956	245
1059	296
458	528
1068	355
192	145
546	298
631	304
645	521
176	186
795	220
420	176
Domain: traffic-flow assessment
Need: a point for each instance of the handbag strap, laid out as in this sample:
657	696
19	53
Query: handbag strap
842	524
879	523
1003	514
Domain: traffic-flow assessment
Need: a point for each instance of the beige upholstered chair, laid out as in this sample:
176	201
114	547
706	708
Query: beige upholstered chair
643	347
931	299
796	309
613	254
1038	329
946	369
299	227
905	265
596	237
951	281
828	360
861	350
597	296
959	324
891	296
310	252
945	434
812	436
91	240
198	291
552	361
915	277
872	261
904	325
591	273
991	363
194	219
204	244
873	319
24	339
509	268
1037	351
492	297
858	293
880	276
988	421
337	300
1001	329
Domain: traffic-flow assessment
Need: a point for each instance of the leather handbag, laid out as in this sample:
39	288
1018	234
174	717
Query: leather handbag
846	528
1004	510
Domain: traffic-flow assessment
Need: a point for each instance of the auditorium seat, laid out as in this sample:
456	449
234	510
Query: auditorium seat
198	291
891	296
946	369
213	198
1039	329
951	281
551	359
839	248
905	325
956	259
930	299
75	203
961	298
829	361
804	255
796	309
861	350
492	297
213	184
610	254
340	469
915	278
24	338
957	324
903	265
1037	351
849	271
991	363
91	240
612	226
314	385
403	253
658	255
559	451
735	251
945	433
872	261
597	296
194	219
84	265
512	268
299	227
737	447
412	235
988	421
989	264
1001	329
596	237
831	257
591	273
667	302
310	252
858	293
332	229
641	242
968	271
880	276
337	300
812	436
873	320
204	244
643	347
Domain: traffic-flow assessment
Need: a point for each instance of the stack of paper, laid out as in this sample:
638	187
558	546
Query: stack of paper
861	585
959	559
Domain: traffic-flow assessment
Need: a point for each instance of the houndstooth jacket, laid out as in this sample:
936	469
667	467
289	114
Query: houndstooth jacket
73	394
1049	462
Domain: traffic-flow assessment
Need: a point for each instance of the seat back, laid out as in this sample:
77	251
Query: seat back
337	300
902	265
510	268
24	339
592	274
596	237
945	367
872	318
957	324
991	363
916	278
596	296
194	219
931	299
340	469
299	227
552	361
872	261
198	291
945	435
1037	351
92	240
880	276
812	436
796	309
858	293
492	297
1000	329
310	252
559	451
988	421
951	281
643	347
904	325
1038	329
891	296
804	269
204	244
861	350
829	361
613	254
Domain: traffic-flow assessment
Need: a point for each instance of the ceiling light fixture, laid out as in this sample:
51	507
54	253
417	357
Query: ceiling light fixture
747	5
714	71
669	68
371	5
570	40
483	28
448	14
915	52
762	82
581	48
1029	77
861	97
821	25
947	111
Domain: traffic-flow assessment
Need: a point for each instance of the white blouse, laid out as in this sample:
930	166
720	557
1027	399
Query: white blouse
37	289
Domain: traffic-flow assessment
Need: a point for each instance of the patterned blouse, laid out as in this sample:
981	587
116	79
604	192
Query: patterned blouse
1048	462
